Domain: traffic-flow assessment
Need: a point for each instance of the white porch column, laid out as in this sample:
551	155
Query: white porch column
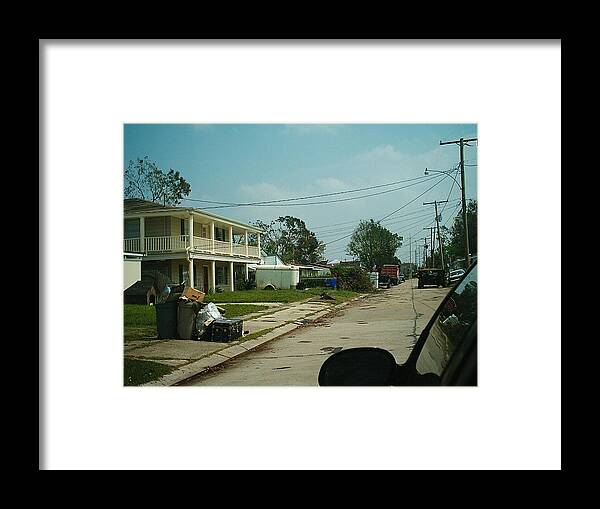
142	235
211	282
191	273
212	235
258	238
247	275
231	240
191	230
246	242
231	281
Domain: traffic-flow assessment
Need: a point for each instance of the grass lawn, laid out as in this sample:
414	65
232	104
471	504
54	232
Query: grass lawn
139	322
137	315
277	295
139	372
234	310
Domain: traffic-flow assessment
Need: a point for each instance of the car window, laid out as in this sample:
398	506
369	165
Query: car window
450	327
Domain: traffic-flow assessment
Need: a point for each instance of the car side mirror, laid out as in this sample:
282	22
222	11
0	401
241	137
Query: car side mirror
358	366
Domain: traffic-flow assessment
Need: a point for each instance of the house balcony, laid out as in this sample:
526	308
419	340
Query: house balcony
179	243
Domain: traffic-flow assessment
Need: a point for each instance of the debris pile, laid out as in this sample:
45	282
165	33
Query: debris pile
181	313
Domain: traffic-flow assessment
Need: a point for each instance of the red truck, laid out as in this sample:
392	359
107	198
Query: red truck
393	271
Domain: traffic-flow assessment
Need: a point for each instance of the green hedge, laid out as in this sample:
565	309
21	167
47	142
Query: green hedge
352	278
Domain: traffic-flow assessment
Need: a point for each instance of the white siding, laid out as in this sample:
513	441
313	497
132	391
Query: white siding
132	272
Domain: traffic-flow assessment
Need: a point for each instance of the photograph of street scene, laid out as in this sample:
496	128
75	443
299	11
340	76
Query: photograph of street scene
300	254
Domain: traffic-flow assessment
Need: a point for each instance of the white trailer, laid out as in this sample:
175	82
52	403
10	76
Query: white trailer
277	277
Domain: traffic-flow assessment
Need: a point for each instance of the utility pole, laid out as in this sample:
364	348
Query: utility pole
410	257
425	252
462	143
437	221
432	244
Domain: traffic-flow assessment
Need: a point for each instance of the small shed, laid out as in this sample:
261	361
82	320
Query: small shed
277	277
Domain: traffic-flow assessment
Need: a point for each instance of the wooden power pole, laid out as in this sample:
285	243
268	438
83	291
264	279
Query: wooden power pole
439	235
462	142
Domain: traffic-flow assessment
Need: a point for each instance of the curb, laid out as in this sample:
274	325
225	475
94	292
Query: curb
213	360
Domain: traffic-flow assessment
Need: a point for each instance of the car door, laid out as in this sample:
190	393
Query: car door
446	352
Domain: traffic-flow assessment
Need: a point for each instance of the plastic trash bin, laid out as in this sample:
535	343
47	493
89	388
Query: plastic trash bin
186	320
166	320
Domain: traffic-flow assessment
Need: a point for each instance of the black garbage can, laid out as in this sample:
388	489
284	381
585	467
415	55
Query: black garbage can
186	320
166	320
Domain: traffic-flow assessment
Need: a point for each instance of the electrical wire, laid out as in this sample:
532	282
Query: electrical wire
269	202
391	213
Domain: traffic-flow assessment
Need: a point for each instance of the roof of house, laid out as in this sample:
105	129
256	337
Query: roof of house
139	206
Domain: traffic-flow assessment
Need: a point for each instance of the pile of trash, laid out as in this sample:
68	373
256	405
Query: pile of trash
181	313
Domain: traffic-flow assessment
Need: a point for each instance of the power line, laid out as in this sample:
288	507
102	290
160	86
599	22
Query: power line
391	221
340	230
391	213
406	204
285	200
356	221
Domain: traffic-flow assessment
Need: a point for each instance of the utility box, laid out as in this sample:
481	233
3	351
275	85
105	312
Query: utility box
374	277
277	277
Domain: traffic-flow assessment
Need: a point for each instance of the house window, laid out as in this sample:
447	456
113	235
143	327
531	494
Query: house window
132	228
221	275
182	227
181	272
220	234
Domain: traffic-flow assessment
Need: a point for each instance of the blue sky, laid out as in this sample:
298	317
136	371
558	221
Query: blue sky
256	162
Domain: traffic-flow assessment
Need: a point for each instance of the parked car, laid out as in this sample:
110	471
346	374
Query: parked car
455	275
432	277
444	354
401	278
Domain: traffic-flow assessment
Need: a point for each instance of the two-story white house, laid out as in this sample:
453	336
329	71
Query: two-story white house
213	250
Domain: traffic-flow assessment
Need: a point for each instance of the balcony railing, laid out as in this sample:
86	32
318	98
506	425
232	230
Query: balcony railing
165	244
131	246
239	249
203	244
181	242
222	247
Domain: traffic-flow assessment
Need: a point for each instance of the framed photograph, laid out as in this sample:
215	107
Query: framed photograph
288	255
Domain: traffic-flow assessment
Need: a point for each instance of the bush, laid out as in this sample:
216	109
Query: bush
352	278
241	284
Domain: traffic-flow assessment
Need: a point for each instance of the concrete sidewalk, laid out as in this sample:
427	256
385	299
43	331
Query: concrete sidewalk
191	358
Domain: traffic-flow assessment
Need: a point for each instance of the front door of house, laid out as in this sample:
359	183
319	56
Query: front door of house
205	279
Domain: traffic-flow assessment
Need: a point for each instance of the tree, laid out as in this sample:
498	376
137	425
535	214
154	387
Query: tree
290	239
144	179
456	242
373	244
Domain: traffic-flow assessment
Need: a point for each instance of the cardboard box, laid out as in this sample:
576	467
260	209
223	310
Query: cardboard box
193	294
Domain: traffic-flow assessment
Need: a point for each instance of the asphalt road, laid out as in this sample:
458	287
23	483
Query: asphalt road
391	319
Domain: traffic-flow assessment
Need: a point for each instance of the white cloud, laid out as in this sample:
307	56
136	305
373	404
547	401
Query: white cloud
331	184
381	152
264	191
304	129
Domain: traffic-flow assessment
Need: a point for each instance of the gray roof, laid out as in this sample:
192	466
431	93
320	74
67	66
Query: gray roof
137	205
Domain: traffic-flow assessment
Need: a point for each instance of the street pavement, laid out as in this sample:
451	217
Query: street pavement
391	319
